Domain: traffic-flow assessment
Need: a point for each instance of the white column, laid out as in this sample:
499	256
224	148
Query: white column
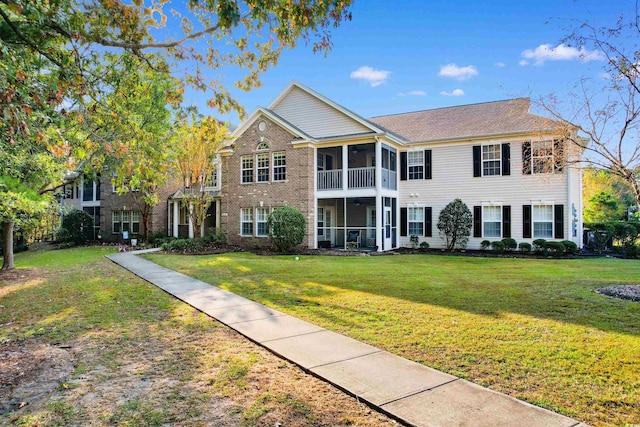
378	166
345	167
190	223
379	222
176	217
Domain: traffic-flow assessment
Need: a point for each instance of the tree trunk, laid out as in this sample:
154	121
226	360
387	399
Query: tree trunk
8	246
145	222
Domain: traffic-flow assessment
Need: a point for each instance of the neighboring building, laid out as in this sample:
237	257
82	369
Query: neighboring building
374	183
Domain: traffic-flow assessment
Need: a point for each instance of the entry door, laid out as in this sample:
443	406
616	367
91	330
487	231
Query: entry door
325	225
387	228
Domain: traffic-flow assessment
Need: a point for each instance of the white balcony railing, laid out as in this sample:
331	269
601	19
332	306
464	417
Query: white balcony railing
330	180
362	177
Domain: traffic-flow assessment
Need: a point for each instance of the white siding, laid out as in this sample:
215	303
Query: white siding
315	117
452	172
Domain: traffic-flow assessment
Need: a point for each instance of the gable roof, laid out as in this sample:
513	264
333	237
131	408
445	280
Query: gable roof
476	120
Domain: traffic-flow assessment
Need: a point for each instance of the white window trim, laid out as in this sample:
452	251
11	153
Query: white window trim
273	166
482	160
552	156
258	168
242	222
258	222
420	156
533	221
242	169
492	205
414	208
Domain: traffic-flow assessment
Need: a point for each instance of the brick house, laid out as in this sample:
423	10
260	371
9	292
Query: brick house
374	183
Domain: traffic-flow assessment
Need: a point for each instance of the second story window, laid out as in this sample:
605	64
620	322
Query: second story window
415	163
491	160
262	161
279	166
542	156
247	169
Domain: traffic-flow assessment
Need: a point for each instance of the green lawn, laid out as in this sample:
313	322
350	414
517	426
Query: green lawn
531	328
142	358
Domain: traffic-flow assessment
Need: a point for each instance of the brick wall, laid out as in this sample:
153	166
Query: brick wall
296	191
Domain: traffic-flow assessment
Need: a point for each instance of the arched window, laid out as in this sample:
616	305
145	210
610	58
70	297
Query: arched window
263	146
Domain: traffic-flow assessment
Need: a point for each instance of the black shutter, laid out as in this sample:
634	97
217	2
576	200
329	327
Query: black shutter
427	164
428	222
558	221
403	221
477	160
403	166
526	158
506	159
526	221
506	221
477	221
558	155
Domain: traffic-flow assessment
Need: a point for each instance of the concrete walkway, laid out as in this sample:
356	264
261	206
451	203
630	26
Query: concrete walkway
407	391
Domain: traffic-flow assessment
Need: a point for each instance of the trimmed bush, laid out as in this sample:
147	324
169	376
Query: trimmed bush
524	247
509	244
77	227
454	223
497	247
424	246
215	236
539	246
555	248
415	241
286	228
485	244
569	246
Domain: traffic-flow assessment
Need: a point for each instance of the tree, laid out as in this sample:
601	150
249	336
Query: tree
136	114
605	196
455	223
603	121
53	52
286	228
197	144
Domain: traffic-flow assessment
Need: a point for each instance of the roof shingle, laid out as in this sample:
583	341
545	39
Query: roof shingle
466	121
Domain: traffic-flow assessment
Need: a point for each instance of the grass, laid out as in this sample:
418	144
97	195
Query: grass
531	328
141	357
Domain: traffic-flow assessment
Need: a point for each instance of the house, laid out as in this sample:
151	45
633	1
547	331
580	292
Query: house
374	183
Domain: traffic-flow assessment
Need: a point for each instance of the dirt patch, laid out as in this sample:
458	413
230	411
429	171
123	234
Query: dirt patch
29	372
17	276
628	292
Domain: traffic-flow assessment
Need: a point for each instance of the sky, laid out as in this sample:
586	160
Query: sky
409	55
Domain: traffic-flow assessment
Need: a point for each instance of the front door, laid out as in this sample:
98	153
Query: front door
326	236
387	228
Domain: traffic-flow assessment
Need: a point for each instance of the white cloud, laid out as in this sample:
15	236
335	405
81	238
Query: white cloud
460	73
500	64
413	93
455	92
523	62
545	52
372	76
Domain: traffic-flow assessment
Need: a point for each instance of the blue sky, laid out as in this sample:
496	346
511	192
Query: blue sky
413	55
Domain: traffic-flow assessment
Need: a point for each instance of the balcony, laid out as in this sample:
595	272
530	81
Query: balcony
330	180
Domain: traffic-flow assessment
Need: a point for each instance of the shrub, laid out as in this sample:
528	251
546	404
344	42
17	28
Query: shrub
539	246
569	246
509	244
525	247
77	227
498	247
455	222
414	241
424	246
485	244
286	228
157	237
555	248
215	236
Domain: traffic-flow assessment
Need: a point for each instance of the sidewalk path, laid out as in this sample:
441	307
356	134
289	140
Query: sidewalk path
407	391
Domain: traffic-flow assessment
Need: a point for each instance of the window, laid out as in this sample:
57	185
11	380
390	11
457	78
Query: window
492	221
247	169
320	222
116	225
542	221
263	146
279	166
246	222
415	163
125	221
262	214
87	191
416	221
491	160
263	167
184	215
542	156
